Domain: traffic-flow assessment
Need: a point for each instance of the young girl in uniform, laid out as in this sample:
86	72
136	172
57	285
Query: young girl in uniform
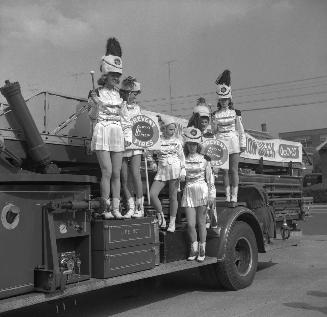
107	139
130	88
201	120
194	121
170	168
228	127
199	192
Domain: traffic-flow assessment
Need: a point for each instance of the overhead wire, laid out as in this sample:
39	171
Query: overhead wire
281	90
179	101
236	96
253	100
285	97
239	89
287	106
274	107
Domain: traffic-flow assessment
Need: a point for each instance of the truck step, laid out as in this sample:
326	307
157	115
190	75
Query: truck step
95	284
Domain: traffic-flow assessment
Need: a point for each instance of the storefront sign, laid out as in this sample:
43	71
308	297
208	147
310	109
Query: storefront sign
275	150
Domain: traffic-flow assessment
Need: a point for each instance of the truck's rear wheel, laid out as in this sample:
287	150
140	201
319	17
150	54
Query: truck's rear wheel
241	259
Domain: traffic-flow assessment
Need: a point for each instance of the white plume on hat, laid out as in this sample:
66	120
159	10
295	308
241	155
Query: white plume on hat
223	82
169	120
203	111
201	108
192	134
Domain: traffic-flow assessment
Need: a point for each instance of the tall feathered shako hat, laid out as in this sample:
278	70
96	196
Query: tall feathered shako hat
223	82
111	62
130	84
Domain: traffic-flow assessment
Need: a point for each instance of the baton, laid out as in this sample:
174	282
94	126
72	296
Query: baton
147	177
92	75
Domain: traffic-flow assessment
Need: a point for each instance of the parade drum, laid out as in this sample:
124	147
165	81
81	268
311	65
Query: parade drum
145	132
218	152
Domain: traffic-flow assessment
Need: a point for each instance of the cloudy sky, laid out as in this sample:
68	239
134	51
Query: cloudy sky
275	49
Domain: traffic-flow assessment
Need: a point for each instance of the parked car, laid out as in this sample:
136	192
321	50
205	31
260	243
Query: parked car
312	179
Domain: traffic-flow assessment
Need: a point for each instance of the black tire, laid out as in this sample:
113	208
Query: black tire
238	269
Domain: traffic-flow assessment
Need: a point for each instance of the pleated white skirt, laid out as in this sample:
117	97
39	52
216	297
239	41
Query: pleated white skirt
195	194
107	136
168	172
231	140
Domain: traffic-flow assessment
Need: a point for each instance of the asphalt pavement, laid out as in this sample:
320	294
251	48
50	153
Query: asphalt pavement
316	222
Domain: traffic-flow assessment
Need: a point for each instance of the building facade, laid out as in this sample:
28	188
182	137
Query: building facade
310	139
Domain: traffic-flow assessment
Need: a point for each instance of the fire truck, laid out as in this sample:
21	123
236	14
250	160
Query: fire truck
53	248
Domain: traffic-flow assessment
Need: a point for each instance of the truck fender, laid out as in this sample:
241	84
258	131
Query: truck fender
217	238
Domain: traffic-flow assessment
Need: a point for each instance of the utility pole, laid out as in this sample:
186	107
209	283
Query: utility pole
169	81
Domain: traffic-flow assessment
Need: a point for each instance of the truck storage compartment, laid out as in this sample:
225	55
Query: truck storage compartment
22	198
110	263
173	245
123	246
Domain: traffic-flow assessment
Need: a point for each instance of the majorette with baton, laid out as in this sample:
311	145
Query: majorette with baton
108	139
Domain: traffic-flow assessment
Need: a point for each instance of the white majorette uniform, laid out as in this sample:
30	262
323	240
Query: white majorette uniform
230	129
200	183
127	113
105	115
171	159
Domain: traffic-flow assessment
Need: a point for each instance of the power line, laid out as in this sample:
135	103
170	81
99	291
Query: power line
270	107
283	97
281	83
241	89
249	101
237	96
287	106
280	90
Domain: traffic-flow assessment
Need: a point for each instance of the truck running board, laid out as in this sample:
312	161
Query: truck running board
93	284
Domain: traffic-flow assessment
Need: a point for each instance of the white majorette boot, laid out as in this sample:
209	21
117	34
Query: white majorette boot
208	219
193	251
213	218
171	226
106	213
202	252
161	220
131	208
227	193
234	194
139	211
115	208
